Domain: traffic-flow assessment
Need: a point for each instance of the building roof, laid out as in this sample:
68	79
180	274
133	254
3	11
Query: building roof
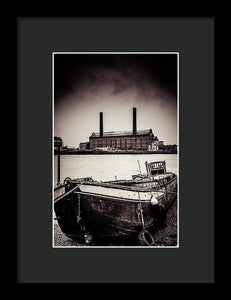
122	133
57	138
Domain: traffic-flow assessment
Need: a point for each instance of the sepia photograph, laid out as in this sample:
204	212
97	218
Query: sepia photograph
115	149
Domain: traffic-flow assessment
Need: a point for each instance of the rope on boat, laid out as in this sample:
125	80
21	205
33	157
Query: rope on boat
141	211
166	195
78	213
64	195
145	237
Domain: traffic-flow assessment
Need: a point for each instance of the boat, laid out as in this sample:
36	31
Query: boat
88	210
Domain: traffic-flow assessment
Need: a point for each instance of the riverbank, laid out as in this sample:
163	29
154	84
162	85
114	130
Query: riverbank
86	152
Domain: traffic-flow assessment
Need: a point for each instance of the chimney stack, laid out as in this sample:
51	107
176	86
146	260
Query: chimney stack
134	121
101	125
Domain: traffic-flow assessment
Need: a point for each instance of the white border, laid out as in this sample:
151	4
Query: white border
178	84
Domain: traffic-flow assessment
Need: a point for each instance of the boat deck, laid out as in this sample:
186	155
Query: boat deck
110	191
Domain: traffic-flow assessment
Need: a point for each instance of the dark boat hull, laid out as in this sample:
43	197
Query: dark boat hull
82	213
117	217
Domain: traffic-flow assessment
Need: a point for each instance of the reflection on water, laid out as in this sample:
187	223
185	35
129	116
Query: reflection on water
106	167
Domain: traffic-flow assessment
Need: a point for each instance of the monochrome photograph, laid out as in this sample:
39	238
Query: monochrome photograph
115	149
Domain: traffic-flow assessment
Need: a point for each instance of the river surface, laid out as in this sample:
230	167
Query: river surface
109	167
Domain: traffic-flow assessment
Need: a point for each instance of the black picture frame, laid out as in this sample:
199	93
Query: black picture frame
193	261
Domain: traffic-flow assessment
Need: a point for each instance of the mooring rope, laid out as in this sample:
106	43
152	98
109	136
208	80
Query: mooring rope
64	195
78	213
141	211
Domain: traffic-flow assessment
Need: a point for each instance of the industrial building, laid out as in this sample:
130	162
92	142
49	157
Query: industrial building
84	146
58	142
124	140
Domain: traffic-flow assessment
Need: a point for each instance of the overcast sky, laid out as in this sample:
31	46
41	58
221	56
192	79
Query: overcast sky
86	84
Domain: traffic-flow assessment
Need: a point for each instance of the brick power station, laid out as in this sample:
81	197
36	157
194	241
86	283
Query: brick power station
124	140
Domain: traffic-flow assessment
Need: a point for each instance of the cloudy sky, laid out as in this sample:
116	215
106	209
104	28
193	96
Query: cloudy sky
86	84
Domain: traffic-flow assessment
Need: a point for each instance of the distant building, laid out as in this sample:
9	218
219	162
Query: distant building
155	144
135	139
122	140
58	142
84	146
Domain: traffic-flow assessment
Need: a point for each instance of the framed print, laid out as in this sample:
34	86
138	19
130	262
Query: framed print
110	205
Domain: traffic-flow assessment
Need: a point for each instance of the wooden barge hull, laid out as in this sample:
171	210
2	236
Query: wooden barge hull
101	215
113	217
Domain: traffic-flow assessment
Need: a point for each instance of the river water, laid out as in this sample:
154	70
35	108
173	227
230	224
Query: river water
110	166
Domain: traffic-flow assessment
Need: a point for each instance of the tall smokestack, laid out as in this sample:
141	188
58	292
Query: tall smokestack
134	121
101	124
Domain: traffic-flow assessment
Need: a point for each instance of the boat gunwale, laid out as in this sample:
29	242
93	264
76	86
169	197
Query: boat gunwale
123	187
60	186
114	186
142	181
118	198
